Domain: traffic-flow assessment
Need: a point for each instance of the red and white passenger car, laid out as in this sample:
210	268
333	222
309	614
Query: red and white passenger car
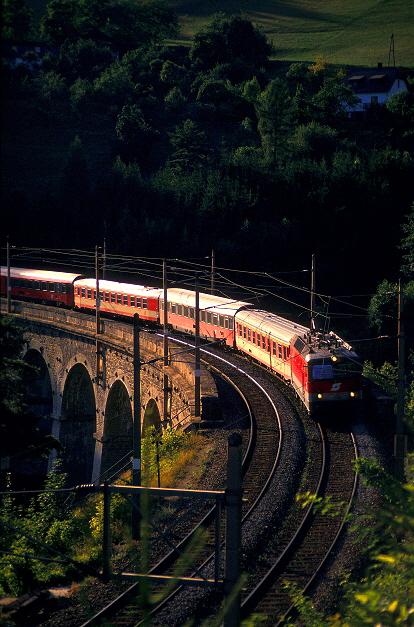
54	288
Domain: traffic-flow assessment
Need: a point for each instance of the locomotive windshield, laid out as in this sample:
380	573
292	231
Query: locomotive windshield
322	371
336	370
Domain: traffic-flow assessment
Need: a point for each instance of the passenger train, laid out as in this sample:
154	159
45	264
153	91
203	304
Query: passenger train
321	367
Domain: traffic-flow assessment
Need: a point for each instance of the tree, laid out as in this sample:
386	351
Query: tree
332	98
314	140
127	24
407	244
190	147
75	190
84	59
226	41
131	25
58	22
17	20
274	111
135	133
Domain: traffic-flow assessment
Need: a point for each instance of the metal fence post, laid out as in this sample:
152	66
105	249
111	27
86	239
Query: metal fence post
233	531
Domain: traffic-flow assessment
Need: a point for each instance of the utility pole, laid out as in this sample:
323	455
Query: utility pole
165	382
391	51
136	443
8	278
98	315
399	442
104	260
213	261
197	390
312	296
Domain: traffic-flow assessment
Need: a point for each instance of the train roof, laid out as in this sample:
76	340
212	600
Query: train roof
122	288
271	324
215	304
40	275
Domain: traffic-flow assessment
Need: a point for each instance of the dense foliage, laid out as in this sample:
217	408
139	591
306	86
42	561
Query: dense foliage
203	148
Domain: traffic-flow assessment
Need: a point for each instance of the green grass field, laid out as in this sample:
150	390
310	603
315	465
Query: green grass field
352	32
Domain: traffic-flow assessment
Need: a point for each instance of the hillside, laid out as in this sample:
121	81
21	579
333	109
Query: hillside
343	31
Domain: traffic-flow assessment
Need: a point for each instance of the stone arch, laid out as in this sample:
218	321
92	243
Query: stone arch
117	435
78	421
38	389
151	416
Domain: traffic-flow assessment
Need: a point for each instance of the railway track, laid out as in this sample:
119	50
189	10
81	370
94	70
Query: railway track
261	451
296	561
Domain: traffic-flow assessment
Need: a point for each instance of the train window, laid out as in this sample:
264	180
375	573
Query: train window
215	319
268	345
280	352
263	342
258	339
132	301
180	310
113	298
240	330
45	286
275	348
192	313
83	292
57	287
202	315
106	297
119	299
244	332
185	311
221	322
93	294
168	306
89	293
125	299
144	303
51	287
173	308
209	317
285	353
63	286
36	285
226	322
249	335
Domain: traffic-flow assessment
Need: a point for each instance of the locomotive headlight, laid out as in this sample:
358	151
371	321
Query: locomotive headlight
352	394
334	358
320	394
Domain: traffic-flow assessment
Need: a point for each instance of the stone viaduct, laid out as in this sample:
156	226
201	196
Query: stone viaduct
84	389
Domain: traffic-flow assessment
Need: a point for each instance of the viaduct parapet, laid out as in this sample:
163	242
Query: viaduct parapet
84	389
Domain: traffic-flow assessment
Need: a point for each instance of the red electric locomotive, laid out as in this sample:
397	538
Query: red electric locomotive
322	368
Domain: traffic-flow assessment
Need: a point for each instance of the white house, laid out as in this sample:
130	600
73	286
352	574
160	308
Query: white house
374	86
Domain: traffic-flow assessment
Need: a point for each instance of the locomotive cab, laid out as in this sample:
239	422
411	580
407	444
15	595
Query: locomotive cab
327	370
